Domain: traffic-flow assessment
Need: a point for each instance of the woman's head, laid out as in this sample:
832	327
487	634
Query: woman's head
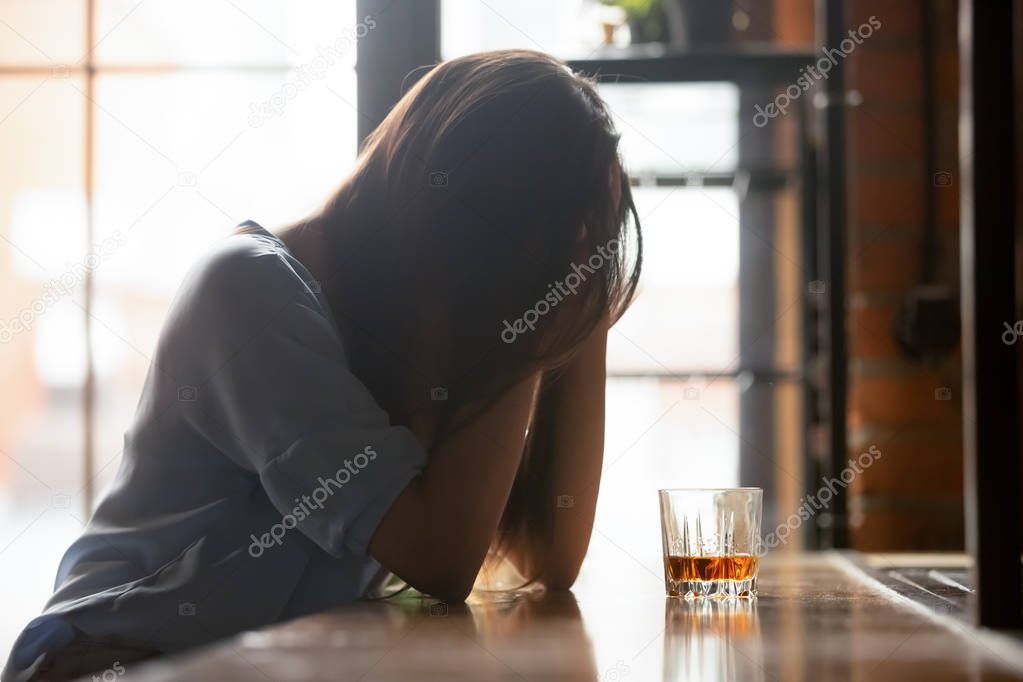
483	232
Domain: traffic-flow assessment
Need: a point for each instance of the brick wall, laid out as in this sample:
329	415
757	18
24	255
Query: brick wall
912	497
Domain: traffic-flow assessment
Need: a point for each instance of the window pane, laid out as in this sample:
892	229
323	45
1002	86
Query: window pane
685	317
30	33
659	434
227	32
676	128
42	354
558	27
180	161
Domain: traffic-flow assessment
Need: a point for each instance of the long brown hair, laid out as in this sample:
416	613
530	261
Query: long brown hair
450	247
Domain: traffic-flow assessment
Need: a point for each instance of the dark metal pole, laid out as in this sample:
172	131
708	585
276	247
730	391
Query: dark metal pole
405	35
831	18
810	309
757	306
990	398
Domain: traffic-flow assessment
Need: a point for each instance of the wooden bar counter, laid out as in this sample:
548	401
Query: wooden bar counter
817	618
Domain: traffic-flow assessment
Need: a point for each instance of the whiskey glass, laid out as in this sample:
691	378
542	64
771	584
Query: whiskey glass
711	541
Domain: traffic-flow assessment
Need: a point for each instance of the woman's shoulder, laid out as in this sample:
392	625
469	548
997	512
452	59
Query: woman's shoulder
245	283
249	268
247	293
244	256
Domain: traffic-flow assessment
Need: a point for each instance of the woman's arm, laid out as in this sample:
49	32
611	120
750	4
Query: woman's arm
436	534
577	445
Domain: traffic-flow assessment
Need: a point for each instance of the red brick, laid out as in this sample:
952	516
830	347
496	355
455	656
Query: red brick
883	265
894	197
900	398
912	466
937	528
870	331
884	134
886	76
900	20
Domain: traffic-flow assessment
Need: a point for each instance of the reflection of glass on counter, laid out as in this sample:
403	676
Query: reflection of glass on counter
710	639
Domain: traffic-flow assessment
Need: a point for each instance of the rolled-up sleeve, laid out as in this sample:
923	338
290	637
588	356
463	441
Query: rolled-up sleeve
339	500
267	382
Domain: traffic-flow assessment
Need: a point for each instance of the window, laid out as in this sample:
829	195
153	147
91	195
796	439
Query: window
184	118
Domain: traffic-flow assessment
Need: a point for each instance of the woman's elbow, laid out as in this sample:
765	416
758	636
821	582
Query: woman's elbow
559	584
448	592
559	579
562	568
452	584
452	594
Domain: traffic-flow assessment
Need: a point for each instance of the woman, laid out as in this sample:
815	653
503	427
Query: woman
409	382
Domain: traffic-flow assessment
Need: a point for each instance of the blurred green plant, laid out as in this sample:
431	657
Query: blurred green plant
646	18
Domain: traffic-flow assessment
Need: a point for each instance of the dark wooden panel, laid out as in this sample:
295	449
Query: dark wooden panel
656	64
990	400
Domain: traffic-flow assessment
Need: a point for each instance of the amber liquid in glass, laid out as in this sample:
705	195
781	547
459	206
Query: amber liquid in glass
727	567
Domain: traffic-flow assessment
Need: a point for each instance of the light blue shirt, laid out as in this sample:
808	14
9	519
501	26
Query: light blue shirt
254	474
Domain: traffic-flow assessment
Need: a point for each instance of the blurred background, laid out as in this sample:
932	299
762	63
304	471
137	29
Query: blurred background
134	134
